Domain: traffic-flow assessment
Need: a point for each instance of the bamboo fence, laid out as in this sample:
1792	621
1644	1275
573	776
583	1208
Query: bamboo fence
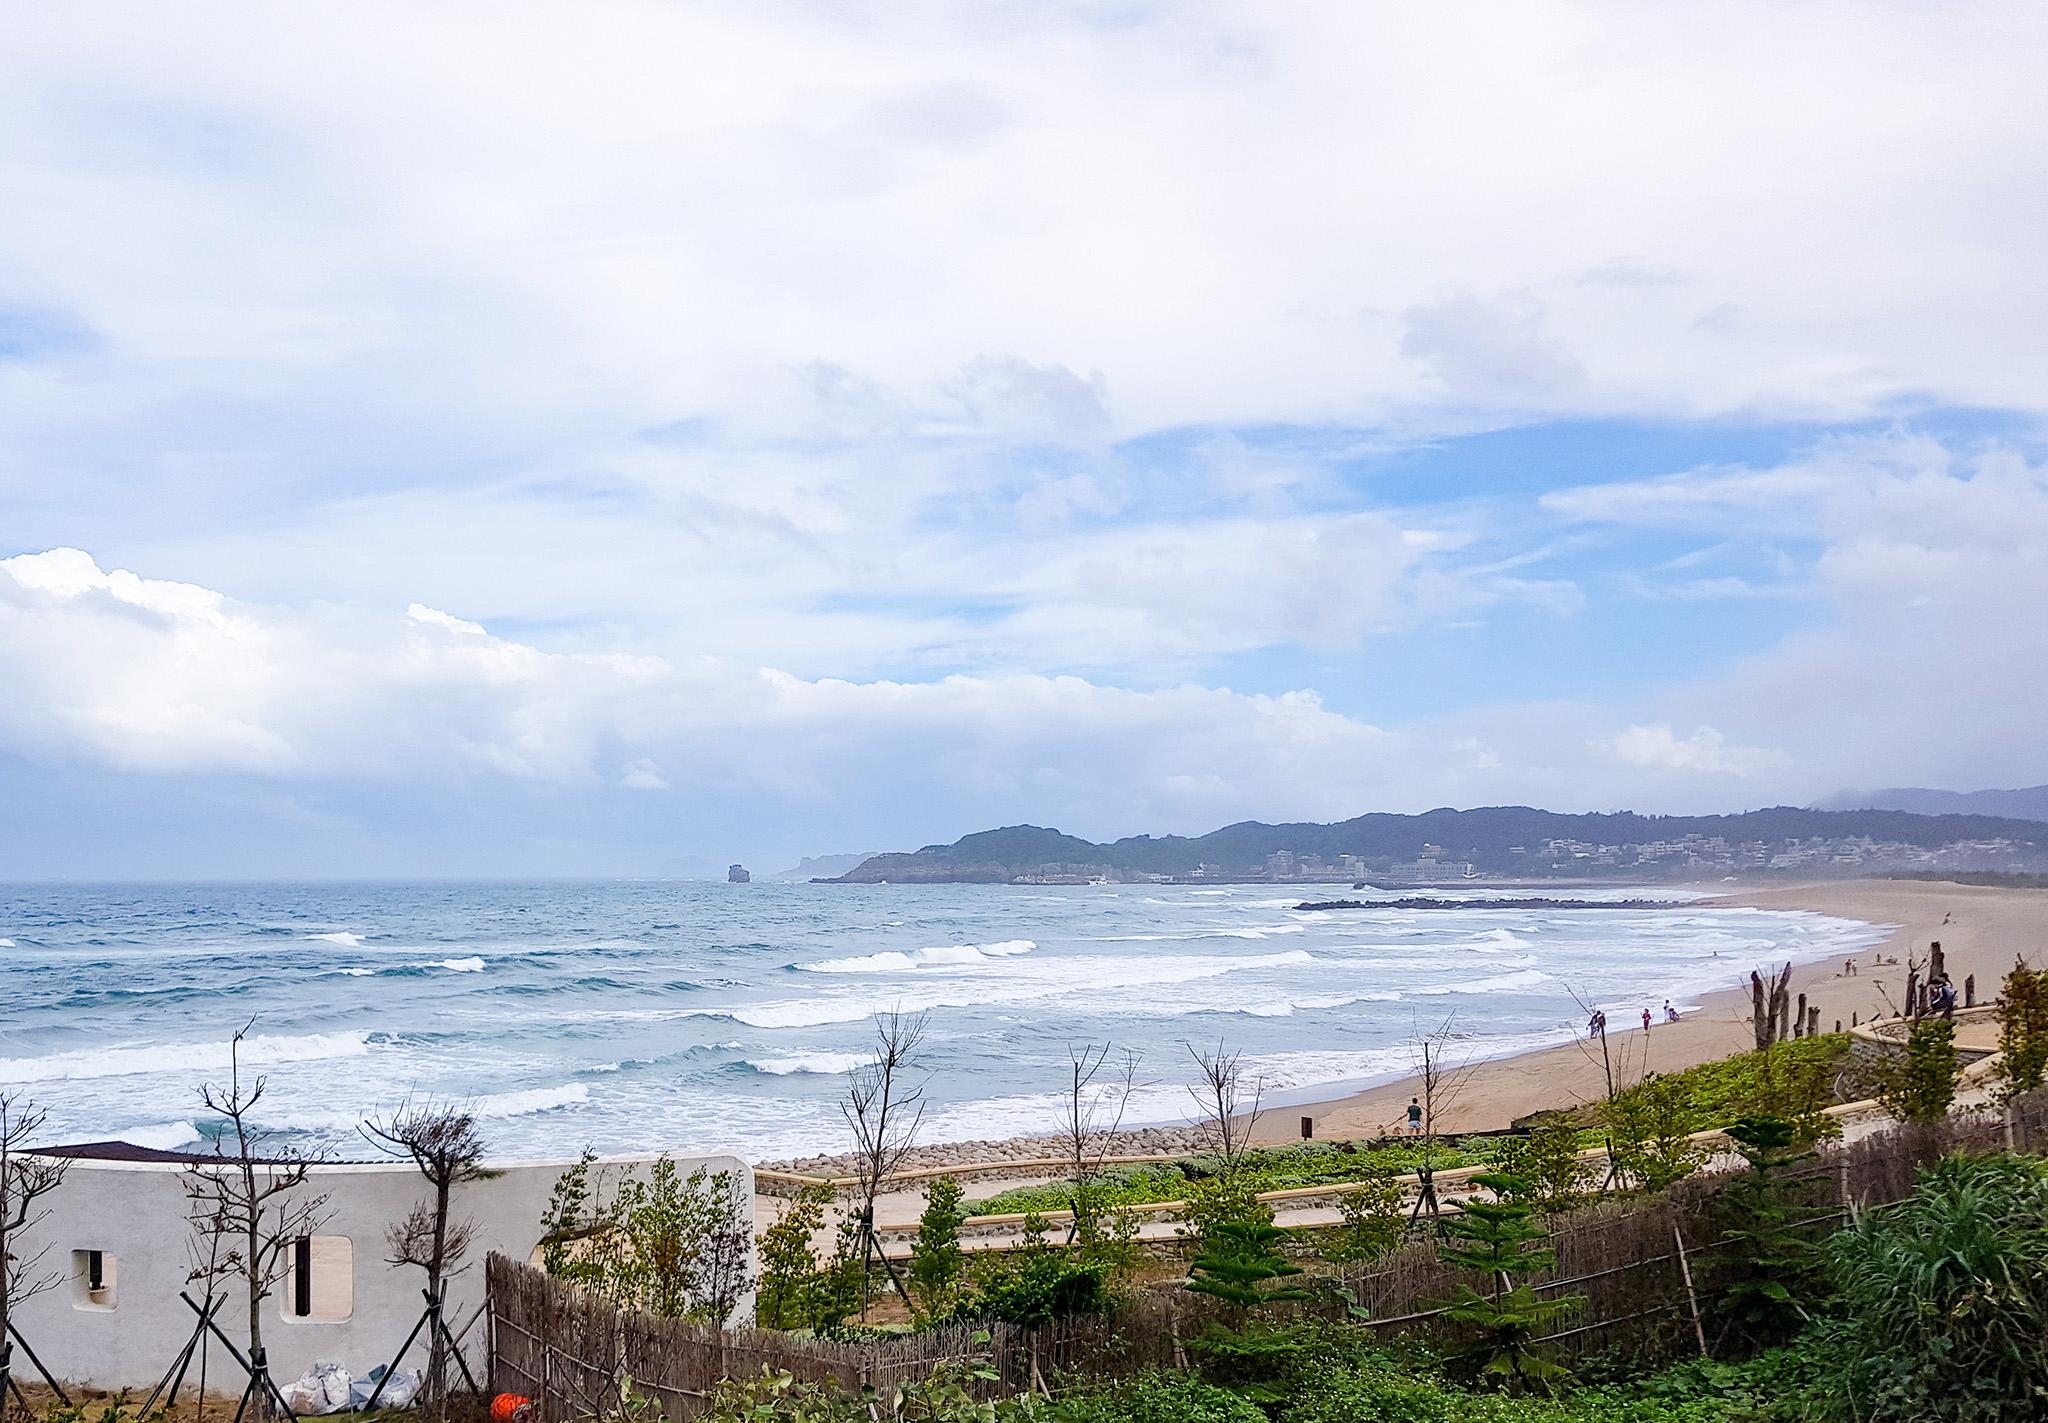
1641	1269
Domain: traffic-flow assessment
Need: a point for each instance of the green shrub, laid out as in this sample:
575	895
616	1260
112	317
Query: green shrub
1945	1297
1374	1222
1383	1393
1158	1397
1919	1085
2023	1028
1793	1080
1279	1168
1762	1271
1039	1282
938	1266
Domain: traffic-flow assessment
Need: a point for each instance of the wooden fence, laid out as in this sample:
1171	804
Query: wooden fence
1646	1271
568	1350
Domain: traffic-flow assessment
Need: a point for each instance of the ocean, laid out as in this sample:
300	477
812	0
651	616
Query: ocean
691	1016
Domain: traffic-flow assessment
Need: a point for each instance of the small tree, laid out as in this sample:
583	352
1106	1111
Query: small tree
789	1261
1766	1265
884	1110
1092	1112
25	1180
938	1265
1496	1239
1229	1100
1649	1133
1373	1221
1245	1266
1919	1085
252	1191
667	1244
2023	1028
443	1141
1548	1160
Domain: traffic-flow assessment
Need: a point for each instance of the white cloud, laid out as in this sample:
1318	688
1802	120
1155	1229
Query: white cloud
1657	747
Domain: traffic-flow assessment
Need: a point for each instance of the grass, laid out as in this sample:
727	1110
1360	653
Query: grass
1278	1168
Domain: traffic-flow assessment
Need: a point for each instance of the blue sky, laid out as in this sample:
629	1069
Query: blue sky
583	441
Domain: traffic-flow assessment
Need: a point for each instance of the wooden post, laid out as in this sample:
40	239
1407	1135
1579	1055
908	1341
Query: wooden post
1699	1330
1799	1021
1970	991
1308	1128
1838	1025
1813	1021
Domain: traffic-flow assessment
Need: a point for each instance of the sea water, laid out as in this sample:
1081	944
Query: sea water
692	1016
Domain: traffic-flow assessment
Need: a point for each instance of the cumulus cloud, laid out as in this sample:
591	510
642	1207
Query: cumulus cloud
1657	747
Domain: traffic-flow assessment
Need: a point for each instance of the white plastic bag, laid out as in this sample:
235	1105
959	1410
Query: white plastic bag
324	1389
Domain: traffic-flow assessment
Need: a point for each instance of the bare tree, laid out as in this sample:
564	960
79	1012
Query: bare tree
1770	1006
1097	1096
884	1109
443	1141
24	1180
1441	1081
1229	1101
252	1193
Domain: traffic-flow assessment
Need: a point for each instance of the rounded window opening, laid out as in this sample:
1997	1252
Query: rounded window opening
319	1279
92	1279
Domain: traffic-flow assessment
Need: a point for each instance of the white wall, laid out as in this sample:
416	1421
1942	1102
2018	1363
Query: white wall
136	1213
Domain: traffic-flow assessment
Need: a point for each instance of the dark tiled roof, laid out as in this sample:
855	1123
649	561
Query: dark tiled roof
128	1151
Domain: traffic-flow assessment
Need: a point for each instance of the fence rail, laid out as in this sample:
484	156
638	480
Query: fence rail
568	1349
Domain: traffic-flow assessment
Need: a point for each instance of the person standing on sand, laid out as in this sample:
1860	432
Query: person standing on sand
1415	1116
1670	1013
1646	1020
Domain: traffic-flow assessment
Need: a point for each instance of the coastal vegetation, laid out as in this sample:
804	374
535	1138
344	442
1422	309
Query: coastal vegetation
1493	839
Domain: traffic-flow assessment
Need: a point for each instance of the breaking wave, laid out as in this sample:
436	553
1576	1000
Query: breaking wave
180	1058
903	960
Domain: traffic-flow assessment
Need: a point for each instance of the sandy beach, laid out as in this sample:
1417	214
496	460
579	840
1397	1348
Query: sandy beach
1981	931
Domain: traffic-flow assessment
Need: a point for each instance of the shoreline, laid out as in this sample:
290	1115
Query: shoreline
1981	929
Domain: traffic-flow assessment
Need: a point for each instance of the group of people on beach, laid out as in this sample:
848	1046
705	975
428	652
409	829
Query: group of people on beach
1596	1025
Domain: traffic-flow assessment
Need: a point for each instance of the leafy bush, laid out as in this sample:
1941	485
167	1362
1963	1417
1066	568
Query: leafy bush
664	1243
1374	1220
1039	1282
1279	1168
938	1266
1919	1085
2023	1028
1384	1393
1945	1296
1548	1161
1158	1397
1792	1080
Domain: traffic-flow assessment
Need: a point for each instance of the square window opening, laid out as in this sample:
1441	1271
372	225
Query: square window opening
319	1279
93	1280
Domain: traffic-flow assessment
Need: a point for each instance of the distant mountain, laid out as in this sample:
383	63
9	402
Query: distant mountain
824	866
2028	803
1514	840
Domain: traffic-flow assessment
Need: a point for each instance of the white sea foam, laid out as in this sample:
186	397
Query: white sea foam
180	1059
899	960
468	965
164	1136
6	943
534	1099
821	1063
1058	978
341	937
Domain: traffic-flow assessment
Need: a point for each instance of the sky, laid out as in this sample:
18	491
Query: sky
517	439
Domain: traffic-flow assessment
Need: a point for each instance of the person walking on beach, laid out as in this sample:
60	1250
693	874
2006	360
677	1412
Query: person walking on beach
1415	1116
1670	1013
1646	1020
1596	1026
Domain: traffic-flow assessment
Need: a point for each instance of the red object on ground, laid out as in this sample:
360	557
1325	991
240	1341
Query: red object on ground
506	1406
